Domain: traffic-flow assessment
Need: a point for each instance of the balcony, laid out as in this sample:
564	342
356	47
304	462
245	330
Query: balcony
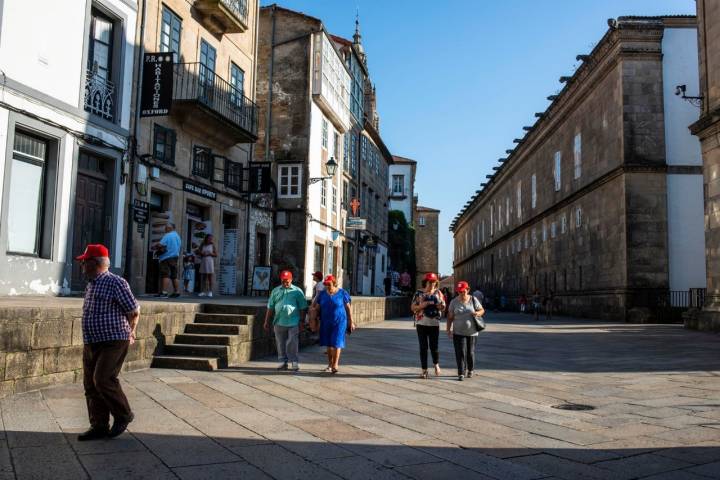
99	96
223	16
209	105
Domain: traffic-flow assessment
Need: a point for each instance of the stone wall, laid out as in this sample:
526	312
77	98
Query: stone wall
426	243
42	346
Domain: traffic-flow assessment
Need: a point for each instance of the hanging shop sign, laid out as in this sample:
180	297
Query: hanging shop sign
260	181
356	223
157	84
199	190
141	212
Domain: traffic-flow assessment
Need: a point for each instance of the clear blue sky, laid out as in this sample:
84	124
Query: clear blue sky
458	79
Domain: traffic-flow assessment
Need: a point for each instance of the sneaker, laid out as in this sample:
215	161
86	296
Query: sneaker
161	295
295	366
201	294
283	366
95	433
469	373
209	294
120	425
461	378
174	295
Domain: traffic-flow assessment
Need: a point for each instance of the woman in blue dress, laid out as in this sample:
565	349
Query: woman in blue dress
335	320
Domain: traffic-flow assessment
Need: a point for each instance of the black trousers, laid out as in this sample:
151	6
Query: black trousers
102	362
464	352
428	338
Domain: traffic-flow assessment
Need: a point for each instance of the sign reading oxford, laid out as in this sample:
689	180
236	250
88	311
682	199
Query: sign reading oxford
157	84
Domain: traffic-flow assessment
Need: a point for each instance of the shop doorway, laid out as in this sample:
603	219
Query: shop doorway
159	217
197	227
227	274
93	221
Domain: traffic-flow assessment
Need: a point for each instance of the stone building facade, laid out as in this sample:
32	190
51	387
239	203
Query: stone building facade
402	187
193	163
599	201
707	128
426	242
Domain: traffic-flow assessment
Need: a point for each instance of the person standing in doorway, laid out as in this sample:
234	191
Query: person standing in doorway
333	305
110	318
286	308
428	305
169	253
207	253
461	328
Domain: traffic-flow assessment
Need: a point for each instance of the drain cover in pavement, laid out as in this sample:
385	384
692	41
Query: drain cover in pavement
573	406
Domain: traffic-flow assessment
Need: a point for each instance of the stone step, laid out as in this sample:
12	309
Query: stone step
206	339
215	328
226	318
196	350
231	309
185	363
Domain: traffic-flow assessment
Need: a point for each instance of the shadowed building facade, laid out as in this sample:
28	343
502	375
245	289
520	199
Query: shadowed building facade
601	200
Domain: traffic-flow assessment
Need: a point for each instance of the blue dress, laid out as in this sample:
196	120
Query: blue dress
333	318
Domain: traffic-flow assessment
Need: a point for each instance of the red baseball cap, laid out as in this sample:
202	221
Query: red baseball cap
462	286
286	275
329	279
317	275
94	250
430	277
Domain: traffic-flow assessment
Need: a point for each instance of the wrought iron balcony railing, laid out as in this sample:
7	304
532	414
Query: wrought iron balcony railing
99	96
194	82
223	16
238	7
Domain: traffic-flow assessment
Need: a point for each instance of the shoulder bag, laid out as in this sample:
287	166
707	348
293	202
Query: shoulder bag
479	321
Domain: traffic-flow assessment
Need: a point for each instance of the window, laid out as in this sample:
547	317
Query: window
398	184
533	191
519	201
556	170
553	229
544	233
534	238
336	145
203	165
507	210
99	88
492	222
577	155
170	32
345	200
421	221
164	144
578	217
324	134
237	81
319	257
563	224
27	198
346	152
323	193
353	153
334	199
482	226
233	175
499	216
207	69
290	178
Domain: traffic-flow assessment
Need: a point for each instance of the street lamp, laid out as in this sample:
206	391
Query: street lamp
330	168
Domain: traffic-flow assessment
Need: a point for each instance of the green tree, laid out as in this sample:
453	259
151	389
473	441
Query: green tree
401	240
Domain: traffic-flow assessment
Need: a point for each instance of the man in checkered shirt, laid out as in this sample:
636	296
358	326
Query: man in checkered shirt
110	317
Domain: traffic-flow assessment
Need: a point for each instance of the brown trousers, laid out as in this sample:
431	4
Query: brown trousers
102	362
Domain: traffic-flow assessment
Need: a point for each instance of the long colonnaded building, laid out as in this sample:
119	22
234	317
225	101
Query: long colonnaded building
601	201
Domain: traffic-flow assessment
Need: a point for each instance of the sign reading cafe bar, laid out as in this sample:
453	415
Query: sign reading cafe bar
157	84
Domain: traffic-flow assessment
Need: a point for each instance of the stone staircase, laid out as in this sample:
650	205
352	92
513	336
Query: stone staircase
219	336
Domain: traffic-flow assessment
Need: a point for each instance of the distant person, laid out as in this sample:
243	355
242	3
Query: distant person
207	253
522	302
548	302
169	253
478	294
333	306
428	305
109	322
405	281
286	308
318	287
188	271
503	302
461	328
387	283
536	304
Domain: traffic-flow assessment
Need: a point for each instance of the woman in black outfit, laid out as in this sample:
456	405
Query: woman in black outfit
428	305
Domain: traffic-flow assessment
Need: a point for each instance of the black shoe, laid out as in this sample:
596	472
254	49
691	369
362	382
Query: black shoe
174	295
161	295
120	425
95	433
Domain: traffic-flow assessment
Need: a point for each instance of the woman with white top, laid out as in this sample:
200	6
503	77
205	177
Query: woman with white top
461	327
428	305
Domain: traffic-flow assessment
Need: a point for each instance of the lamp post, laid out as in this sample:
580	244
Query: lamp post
330	168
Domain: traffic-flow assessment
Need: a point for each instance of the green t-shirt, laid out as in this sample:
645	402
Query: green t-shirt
287	303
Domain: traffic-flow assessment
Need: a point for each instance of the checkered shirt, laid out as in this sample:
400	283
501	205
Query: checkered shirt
108	300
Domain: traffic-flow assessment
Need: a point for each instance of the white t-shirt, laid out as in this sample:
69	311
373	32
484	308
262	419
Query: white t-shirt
319	287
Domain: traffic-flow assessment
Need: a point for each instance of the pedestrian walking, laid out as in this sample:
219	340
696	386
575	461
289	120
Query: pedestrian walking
462	328
207	253
522	301
549	302
110	318
428	305
188	271
536	299
168	250
479	295
286	308
333	307
318	287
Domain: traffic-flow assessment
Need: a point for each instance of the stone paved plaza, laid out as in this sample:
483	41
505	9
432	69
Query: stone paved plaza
655	389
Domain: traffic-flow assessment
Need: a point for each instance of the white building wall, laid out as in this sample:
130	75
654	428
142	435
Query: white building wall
406	204
686	230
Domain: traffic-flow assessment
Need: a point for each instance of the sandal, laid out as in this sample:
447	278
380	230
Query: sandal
327	369
334	371
424	374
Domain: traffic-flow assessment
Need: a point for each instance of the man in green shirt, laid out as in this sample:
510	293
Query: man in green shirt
286	307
